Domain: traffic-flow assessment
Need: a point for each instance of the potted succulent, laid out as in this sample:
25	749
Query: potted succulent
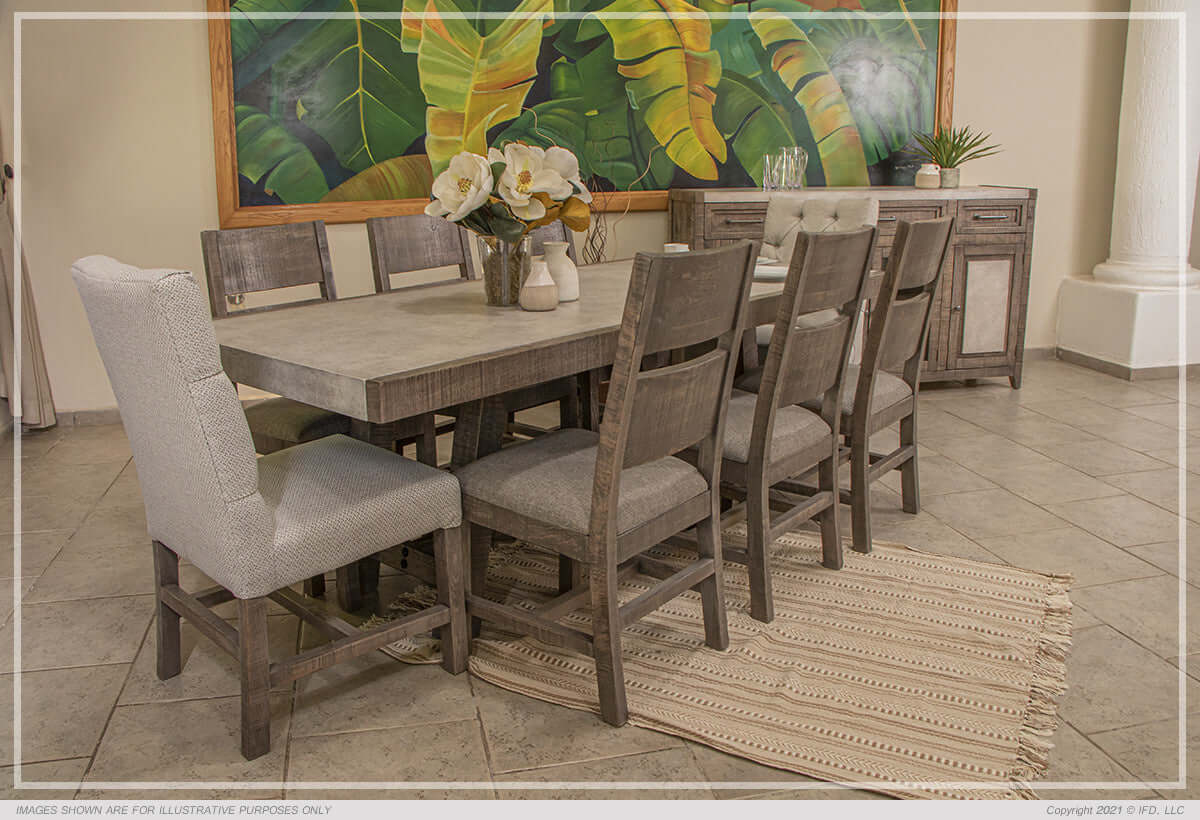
505	195
950	148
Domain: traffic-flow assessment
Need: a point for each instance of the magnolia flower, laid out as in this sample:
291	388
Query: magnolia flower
526	174
567	165
462	187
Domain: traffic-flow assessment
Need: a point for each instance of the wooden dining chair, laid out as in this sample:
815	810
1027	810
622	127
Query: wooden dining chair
554	232
417	242
255	526
604	499
272	258
891	368
769	439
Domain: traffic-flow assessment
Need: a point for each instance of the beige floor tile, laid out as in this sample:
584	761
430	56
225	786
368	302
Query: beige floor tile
115	526
1122	519
90	445
379	692
830	793
1165	555
67	772
1137	434
1162	487
85	483
1146	609
208	670
1050	483
1102	460
1167	414
1170	455
1122	394
523	733
34	445
1082	619
85	569
924	532
751	778
37	551
1101	667
668	766
1151	752
63	711
990	450
125	491
80	633
1081	412
989	513
938	476
191	741
1075	759
942	423
1089	559
442	752
45	512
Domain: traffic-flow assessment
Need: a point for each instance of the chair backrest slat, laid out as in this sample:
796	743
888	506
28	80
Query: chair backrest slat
900	316
693	305
190	440
251	260
416	242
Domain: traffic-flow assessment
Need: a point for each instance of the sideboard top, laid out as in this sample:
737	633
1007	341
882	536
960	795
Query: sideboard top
882	192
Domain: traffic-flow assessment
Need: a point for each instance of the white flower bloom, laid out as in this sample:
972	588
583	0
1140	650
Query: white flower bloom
526	174
494	155
462	187
567	165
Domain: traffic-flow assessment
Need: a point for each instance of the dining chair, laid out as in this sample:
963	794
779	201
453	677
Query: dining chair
602	499
891	368
417	242
554	232
271	258
255	526
791	213
769	439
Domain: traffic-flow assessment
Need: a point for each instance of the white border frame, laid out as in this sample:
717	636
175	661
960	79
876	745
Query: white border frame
20	17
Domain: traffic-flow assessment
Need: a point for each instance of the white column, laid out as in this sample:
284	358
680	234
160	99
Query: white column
1148	247
1125	316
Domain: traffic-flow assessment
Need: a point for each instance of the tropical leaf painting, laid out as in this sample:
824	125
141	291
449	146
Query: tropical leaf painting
359	100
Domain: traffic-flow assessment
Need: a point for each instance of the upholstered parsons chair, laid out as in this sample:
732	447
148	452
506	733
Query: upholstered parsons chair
255	526
790	213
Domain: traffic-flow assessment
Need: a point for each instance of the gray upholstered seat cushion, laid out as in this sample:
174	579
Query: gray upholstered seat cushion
795	429
550	479
337	499
293	421
889	389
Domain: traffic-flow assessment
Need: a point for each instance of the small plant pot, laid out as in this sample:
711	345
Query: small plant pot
950	177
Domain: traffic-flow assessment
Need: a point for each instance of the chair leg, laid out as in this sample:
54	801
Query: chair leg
758	561
831	537
349	587
860	493
427	441
256	677
606	645
910	485
448	549
314	587
166	572
712	588
570	574
480	547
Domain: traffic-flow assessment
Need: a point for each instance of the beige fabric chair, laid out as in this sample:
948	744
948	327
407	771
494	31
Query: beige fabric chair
255	526
789	213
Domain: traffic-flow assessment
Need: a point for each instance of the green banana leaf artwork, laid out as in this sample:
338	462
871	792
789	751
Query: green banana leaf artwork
337	101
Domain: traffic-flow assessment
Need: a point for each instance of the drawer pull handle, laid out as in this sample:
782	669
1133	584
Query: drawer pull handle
989	216
887	219
743	220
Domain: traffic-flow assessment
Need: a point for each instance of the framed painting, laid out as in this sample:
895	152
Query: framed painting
346	109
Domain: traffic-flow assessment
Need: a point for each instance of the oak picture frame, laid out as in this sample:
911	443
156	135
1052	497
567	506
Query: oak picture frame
232	214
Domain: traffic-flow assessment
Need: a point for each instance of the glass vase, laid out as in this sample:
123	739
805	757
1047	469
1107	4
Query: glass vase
505	267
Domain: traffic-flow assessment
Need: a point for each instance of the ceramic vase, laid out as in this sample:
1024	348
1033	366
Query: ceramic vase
950	177
539	291
563	271
505	268
929	176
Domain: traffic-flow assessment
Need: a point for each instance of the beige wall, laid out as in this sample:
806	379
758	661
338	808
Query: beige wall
118	158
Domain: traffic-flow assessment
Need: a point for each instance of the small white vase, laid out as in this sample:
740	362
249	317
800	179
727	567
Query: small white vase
929	176
539	291
563	271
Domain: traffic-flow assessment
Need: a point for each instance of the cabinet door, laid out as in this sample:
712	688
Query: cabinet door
984	297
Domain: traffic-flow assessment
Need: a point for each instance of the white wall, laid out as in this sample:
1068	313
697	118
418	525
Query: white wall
117	154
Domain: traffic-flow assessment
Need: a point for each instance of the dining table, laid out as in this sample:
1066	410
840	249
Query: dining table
413	351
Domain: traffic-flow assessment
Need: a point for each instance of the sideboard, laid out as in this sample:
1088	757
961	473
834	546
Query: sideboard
978	323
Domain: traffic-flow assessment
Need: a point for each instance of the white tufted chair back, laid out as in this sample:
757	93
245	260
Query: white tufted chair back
789	213
190	441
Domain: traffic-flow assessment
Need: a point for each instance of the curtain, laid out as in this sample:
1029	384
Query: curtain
36	407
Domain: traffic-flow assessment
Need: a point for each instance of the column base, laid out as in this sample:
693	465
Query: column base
1127	331
1156	273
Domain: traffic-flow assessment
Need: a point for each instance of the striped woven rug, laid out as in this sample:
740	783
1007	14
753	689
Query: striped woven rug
907	673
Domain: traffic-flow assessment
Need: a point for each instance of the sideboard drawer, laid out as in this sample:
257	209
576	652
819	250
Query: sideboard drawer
890	214
991	216
743	222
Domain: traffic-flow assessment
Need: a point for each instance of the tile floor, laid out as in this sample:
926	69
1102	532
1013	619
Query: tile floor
1073	473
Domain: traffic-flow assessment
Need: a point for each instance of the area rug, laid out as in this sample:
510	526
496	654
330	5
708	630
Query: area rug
907	673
